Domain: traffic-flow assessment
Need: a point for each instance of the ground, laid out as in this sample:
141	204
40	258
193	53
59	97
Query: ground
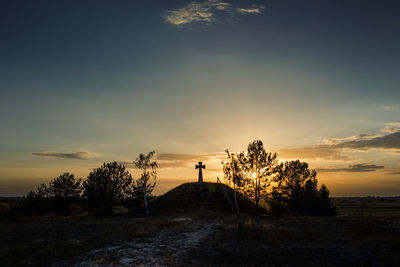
367	232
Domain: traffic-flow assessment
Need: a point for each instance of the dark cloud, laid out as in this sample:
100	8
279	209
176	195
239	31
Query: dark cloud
354	168
72	155
333	150
389	141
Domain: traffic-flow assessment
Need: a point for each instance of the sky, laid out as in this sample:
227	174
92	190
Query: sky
87	82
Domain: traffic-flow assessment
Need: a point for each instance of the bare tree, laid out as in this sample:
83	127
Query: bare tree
149	170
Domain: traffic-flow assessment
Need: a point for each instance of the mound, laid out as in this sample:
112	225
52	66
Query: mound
198	197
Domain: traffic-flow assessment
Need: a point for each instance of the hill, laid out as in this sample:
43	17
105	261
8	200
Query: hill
200	197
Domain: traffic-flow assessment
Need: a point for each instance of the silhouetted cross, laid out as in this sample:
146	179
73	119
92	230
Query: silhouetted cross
200	166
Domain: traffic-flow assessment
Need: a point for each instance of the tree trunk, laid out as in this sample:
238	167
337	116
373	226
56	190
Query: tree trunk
145	202
236	204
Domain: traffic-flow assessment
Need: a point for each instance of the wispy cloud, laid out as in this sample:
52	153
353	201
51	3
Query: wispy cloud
317	152
335	148
389	141
390	107
71	155
392	127
353	168
358	137
253	10
206	12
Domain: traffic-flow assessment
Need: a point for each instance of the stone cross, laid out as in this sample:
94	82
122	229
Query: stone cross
200	166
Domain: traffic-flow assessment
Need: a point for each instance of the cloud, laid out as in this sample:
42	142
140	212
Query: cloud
390	107
253	10
317	152
392	127
206	12
389	141
72	155
333	148
358	137
354	168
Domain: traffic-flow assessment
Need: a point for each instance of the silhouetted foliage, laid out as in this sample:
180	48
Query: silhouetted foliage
233	174
105	187
142	188
36	202
296	191
58	196
255	169
64	191
294	186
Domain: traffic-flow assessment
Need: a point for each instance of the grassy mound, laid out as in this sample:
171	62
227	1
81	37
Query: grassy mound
200	197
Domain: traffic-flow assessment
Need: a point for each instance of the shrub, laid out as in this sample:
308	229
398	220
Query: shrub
105	187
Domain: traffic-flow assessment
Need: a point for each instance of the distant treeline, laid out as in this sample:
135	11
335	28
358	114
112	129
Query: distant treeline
105	188
289	187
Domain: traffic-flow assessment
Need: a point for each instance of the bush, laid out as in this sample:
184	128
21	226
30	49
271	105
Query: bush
105	187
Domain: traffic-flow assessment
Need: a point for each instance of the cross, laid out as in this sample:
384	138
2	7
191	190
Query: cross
200	166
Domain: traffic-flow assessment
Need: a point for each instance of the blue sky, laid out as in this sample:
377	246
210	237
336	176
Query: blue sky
116	78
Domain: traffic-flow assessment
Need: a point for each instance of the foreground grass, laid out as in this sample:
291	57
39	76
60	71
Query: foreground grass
367	232
46	240
303	241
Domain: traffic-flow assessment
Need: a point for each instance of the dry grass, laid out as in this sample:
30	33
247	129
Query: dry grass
303	241
367	232
43	241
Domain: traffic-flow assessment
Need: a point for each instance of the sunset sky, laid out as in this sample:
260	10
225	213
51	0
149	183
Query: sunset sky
86	82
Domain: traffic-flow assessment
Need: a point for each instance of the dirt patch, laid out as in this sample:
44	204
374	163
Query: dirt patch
165	249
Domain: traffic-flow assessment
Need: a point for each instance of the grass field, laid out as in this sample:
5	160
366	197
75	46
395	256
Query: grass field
366	232
385	208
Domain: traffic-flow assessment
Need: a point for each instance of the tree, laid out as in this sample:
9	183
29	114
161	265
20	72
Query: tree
296	188
291	180
105	187
233	174
36	201
143	186
259	167
326	206
64	191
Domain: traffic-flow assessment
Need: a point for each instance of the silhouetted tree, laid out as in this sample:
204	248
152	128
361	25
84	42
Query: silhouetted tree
233	174
291	180
296	188
259	167
64	191
326	206
105	187
143	188
36	202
